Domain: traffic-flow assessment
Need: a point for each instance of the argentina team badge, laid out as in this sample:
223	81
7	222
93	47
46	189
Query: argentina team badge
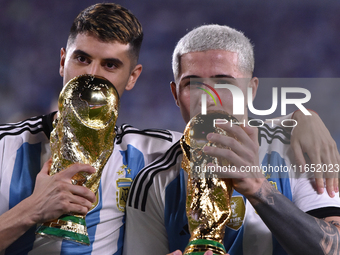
123	186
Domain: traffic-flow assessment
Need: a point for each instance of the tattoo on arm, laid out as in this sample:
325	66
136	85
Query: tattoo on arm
305	234
266	194
331	236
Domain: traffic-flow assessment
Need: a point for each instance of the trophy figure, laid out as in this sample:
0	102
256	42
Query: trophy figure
208	197
83	132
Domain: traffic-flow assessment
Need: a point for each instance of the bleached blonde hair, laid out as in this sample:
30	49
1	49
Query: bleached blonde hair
215	37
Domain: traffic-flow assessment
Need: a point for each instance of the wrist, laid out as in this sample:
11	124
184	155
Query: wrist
261	195
31	215
254	187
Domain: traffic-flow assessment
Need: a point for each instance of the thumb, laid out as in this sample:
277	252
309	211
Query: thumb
46	167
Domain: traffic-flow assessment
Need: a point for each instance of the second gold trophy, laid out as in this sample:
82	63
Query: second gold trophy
208	197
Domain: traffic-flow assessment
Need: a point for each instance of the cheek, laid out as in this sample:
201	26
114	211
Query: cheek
184	98
190	104
119	82
227	99
70	71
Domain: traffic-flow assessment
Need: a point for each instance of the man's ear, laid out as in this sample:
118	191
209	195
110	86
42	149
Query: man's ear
174	91
62	61
254	83
134	76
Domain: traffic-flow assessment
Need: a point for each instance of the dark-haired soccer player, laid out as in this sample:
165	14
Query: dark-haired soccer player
104	40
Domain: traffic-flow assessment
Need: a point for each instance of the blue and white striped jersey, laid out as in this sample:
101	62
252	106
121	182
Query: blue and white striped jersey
24	147
156	214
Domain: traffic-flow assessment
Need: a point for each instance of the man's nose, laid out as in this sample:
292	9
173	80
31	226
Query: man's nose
210	100
94	69
206	103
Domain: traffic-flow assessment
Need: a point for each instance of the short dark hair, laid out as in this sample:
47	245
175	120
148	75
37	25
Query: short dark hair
109	22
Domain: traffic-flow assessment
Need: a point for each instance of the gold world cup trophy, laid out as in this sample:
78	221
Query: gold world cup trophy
84	132
208	197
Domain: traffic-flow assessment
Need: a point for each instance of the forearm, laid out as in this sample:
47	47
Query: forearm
15	222
297	232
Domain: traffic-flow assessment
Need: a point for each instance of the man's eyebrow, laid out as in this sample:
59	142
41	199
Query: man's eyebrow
191	77
116	61
214	76
80	52
223	76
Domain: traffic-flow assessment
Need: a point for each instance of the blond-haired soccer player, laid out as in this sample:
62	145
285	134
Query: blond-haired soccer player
275	213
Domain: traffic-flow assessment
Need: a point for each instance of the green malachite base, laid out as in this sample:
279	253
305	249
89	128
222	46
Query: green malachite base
67	227
200	246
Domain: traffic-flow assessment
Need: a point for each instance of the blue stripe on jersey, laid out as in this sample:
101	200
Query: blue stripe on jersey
235	242
175	218
26	168
92	219
134	160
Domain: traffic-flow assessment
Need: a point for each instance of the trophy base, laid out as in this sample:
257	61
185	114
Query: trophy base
200	246
66	227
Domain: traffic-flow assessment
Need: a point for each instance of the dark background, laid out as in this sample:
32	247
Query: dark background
293	39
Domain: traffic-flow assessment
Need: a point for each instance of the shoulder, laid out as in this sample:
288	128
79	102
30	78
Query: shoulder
152	143
155	177
32	126
128	132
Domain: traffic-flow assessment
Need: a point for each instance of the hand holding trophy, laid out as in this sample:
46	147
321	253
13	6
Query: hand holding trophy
84	133
208	197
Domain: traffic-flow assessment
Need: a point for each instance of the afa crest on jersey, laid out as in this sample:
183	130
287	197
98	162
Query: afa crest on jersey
123	186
